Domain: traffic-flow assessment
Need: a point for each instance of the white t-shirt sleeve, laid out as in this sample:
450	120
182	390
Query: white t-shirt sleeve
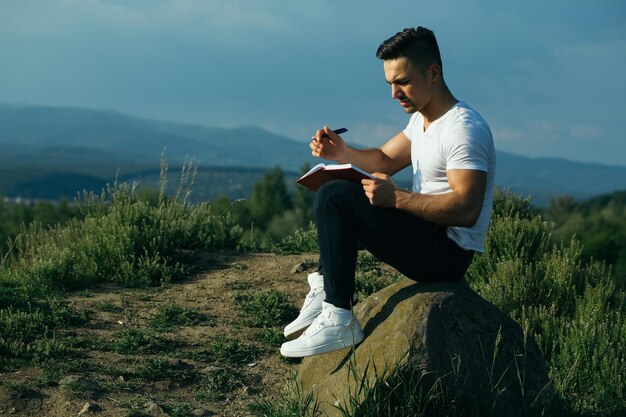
414	121
467	147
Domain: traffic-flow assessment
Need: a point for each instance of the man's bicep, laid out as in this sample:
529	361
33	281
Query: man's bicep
470	185
468	181
398	152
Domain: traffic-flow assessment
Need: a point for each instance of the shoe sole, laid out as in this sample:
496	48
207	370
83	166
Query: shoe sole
330	347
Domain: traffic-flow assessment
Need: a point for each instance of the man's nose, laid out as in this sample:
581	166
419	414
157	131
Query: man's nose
395	91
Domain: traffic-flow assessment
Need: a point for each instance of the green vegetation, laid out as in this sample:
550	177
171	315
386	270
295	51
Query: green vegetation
550	282
599	225
570	306
267	308
136	341
14	216
218	383
227	351
123	238
171	316
272	217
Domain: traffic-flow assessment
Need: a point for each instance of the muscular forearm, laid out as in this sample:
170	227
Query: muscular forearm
449	209
370	160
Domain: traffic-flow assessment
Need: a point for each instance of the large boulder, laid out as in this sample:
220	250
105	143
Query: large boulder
454	338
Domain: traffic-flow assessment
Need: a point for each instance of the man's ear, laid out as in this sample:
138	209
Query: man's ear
434	72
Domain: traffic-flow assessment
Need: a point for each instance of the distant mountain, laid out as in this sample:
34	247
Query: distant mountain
47	151
546	178
57	135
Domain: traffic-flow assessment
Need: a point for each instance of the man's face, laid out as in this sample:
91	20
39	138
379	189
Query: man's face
409	84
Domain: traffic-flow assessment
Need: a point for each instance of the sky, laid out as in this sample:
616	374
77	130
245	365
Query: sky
548	76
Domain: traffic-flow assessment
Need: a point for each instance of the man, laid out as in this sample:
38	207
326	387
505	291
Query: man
429	233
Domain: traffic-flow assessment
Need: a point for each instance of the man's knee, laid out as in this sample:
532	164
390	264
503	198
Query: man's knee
337	191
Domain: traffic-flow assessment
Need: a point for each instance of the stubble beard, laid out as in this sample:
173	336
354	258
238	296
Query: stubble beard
411	108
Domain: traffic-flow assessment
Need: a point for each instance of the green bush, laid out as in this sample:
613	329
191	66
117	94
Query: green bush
301	241
572	308
123	239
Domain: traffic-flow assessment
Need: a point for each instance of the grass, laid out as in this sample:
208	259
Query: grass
302	241
122	238
226	351
163	368
269	308
572	308
179	410
139	341
81	389
292	403
170	316
219	383
110	307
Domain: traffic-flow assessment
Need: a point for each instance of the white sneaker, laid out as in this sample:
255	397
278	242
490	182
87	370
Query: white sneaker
311	308
333	329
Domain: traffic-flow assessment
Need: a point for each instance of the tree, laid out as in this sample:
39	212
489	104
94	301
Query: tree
302	200
269	198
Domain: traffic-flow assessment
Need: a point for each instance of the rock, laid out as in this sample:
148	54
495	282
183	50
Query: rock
71	379
88	408
299	267
154	409
434	327
202	412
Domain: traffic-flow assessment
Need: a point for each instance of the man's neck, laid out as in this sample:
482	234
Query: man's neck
438	106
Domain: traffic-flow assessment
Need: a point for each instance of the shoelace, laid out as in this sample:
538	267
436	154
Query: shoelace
320	321
310	296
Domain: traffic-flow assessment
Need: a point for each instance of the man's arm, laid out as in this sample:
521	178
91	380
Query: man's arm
389	158
461	207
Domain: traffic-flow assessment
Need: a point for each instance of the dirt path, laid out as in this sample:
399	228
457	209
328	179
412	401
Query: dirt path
126	362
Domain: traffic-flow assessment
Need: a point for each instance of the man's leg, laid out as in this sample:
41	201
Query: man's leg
343	215
417	248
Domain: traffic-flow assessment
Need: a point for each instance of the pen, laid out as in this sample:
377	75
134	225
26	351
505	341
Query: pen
337	131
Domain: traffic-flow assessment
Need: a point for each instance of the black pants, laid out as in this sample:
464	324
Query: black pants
417	248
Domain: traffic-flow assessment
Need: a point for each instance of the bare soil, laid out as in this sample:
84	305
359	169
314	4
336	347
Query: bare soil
107	378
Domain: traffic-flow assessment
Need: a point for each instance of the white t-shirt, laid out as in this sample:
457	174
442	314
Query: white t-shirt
460	139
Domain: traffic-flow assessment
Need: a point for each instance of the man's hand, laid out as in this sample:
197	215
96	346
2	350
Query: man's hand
381	192
332	147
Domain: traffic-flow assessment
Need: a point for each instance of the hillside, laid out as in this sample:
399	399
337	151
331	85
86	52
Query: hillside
55	151
51	136
185	348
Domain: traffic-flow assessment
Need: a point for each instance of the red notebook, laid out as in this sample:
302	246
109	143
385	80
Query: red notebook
320	174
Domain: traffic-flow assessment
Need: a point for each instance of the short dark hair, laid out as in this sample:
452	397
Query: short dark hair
419	45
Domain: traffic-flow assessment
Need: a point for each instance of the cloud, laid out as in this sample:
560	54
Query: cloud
229	21
542	73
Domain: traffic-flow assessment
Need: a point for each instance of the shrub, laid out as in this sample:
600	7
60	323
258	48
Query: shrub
572	308
122	238
301	241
